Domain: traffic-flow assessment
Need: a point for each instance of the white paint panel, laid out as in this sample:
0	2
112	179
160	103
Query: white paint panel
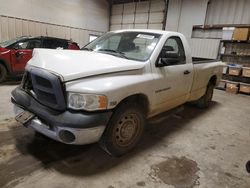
128	18
141	18
117	9
4	29
155	26
206	48
141	26
25	28
18	27
14	27
214	33
11	28
129	8
192	13
173	15
84	36
136	15
31	29
142	7
116	19
86	14
43	29
115	27
75	36
157	6
156	17
67	33
228	12
127	26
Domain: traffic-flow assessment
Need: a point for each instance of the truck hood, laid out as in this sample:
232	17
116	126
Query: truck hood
73	64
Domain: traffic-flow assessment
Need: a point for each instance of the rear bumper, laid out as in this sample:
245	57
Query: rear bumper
67	127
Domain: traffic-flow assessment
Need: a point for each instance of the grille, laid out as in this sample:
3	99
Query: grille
47	88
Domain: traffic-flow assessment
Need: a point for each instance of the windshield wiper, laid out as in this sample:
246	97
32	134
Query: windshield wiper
88	49
121	54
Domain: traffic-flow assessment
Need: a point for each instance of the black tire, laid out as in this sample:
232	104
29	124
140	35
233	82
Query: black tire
248	166
124	129
3	73
206	99
38	135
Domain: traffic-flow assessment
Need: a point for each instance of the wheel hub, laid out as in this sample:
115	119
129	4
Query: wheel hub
126	130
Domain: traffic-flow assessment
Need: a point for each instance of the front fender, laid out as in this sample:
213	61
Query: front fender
116	87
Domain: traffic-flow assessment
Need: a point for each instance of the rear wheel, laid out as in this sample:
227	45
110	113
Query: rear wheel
248	166
206	99
124	130
3	73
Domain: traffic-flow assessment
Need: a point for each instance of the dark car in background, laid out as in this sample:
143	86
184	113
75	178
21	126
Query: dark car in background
15	53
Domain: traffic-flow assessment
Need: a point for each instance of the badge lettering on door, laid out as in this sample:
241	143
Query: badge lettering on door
161	90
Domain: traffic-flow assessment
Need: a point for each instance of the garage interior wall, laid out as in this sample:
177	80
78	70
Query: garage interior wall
138	15
182	15
228	12
74	19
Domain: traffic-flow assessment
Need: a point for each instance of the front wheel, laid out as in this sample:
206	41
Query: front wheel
3	73
206	99
124	130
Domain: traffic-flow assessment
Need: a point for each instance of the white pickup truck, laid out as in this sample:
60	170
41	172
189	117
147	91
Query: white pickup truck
105	92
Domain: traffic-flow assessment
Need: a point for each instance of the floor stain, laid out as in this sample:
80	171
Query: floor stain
179	172
141	183
213	147
7	152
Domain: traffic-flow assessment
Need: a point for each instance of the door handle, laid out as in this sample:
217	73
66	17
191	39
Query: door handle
187	72
19	54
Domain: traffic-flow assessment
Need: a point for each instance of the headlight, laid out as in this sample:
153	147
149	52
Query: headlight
89	102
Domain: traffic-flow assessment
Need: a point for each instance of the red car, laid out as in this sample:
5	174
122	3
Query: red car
15	53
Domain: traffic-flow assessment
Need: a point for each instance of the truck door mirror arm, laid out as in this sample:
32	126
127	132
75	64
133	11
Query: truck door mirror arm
18	54
169	58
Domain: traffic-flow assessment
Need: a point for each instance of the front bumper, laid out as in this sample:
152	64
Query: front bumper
69	127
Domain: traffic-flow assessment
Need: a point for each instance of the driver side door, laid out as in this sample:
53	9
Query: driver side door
174	75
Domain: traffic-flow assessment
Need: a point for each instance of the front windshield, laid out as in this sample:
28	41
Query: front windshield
9	42
129	45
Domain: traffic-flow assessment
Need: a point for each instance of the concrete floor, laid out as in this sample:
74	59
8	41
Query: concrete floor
192	148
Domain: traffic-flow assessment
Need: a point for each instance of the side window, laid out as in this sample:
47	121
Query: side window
173	48
55	44
47	43
28	44
21	45
34	44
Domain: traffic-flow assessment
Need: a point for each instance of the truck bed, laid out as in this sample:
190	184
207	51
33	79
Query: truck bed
199	60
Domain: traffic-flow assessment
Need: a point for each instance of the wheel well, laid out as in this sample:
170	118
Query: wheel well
3	63
140	99
213	80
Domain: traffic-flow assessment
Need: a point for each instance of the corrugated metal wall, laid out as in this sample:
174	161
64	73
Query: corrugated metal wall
206	42
206	48
140	15
86	14
228	12
182	15
11	27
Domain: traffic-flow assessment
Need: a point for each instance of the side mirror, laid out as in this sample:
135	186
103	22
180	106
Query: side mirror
169	58
171	54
